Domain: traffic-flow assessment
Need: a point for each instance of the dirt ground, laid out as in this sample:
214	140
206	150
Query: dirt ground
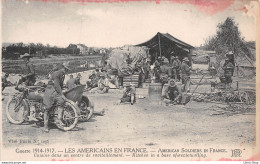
145	123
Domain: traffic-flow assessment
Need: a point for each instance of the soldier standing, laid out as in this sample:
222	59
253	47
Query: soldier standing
175	68
185	72
228	68
178	68
165	71
53	95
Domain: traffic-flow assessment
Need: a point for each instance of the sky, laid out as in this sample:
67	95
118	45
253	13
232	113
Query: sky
117	24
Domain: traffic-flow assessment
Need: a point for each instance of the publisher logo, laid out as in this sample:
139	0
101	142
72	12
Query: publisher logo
236	153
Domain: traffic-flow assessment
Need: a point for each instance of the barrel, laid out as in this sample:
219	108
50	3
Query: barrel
155	91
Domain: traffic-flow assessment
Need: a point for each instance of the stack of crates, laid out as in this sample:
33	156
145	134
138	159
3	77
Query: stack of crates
133	79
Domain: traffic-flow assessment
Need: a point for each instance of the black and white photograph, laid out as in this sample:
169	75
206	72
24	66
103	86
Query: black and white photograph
130	80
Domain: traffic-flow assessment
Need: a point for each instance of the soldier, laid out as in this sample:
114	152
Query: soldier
71	83
165	72
172	93
128	95
156	69
4	81
93	81
175	68
178	68
103	84
77	79
185	72
228	68
53	95
29	79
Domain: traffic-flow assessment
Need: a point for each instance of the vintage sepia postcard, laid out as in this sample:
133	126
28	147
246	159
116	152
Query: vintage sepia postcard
130	80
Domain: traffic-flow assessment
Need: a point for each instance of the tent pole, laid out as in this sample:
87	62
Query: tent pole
160	45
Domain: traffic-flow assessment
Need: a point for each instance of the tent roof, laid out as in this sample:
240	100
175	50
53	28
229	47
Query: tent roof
150	43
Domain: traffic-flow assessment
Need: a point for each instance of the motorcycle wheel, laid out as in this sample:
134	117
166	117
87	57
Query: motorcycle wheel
15	117
69	117
85	110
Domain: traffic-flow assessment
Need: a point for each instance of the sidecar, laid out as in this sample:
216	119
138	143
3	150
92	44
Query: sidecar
85	105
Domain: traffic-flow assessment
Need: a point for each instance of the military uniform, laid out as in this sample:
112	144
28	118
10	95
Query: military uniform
128	95
4	81
175	69
165	72
185	72
228	71
172	93
53	92
31	74
103	84
93	81
53	95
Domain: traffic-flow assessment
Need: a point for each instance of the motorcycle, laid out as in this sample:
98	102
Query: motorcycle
28	102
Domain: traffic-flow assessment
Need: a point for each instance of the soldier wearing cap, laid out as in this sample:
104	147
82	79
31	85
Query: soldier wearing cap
53	94
128	95
175	68
103	83
29	79
185	73
228	68
165	71
172	93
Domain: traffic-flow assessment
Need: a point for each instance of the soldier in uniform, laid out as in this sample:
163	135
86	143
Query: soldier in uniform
29	79
178	68
71	83
77	79
93	81
53	95
175	68
128	95
185	72
165	71
4	81
172	93
228	68
156	70
103	84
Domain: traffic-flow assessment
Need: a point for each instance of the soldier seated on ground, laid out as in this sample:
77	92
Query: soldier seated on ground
128	95
93	83
103	84
77	79
172	93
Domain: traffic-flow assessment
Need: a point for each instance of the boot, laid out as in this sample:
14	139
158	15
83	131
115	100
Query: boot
46	121
60	112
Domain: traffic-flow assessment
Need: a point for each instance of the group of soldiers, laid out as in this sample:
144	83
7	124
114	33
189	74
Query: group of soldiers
162	70
170	72
101	80
53	90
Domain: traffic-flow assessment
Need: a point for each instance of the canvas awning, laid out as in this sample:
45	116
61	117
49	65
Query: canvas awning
166	45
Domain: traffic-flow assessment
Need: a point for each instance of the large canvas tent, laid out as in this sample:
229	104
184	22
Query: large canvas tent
166	45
